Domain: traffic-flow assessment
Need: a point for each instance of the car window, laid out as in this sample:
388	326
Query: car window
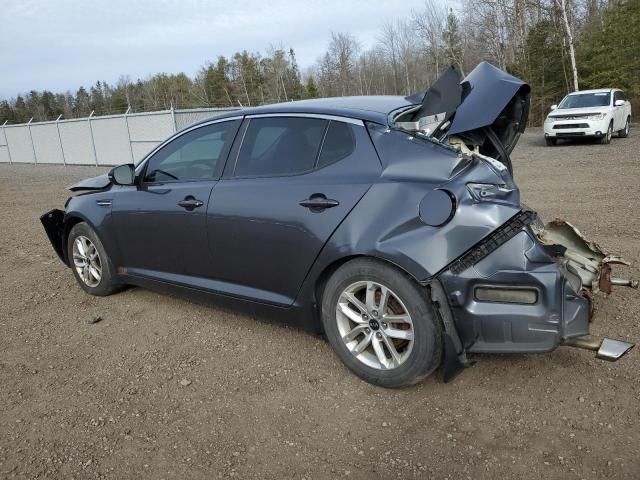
193	155
274	146
585	100
339	142
619	96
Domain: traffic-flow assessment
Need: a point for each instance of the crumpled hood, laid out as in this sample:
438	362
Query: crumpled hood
101	182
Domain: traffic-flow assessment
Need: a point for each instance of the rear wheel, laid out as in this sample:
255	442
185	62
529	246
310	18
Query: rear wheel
624	133
607	137
381	324
551	141
89	261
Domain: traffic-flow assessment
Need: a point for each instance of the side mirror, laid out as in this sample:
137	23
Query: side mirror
123	174
619	103
553	107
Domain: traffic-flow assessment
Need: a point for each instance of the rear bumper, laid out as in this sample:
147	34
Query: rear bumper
554	308
53	223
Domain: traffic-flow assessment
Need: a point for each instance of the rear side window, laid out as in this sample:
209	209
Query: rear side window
339	143
275	146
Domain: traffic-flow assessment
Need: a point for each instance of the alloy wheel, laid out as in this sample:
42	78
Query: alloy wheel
375	325
87	262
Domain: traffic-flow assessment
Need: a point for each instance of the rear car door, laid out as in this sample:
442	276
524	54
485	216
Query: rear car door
160	223
626	109
289	182
618	111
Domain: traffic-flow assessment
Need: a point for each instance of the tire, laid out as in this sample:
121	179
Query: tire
606	139
416	338
89	262
624	133
551	141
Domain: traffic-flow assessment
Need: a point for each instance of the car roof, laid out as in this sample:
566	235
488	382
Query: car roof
595	90
369	108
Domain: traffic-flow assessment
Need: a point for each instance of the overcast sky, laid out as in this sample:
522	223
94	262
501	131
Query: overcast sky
60	45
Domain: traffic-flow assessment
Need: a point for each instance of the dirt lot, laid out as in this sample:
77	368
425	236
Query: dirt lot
163	388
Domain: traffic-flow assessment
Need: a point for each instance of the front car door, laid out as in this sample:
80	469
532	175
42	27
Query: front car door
288	184
160	223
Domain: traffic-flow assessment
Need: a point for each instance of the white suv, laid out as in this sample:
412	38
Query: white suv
589	113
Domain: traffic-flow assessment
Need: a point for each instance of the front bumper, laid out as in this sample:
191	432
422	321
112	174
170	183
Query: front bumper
560	271
576	128
53	223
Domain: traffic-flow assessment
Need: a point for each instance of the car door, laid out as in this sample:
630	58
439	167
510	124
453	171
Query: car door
160	222
626	109
618	111
289	182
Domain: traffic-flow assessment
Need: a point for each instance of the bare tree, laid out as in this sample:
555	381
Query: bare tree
572	54
389	41
429	23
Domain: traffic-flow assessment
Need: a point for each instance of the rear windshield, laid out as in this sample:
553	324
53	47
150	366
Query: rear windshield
584	100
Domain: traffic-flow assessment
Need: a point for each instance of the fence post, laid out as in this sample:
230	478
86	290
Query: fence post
173	118
126	121
6	141
33	147
93	142
64	159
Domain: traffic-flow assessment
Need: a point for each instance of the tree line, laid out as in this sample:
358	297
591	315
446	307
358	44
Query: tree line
557	46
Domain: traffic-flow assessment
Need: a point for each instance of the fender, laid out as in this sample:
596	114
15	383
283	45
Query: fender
93	208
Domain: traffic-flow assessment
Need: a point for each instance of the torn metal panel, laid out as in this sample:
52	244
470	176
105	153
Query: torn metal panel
584	256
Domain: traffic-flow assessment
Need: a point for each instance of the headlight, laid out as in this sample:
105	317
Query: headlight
488	192
548	120
596	116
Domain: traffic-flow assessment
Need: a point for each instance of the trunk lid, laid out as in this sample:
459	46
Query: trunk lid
488	110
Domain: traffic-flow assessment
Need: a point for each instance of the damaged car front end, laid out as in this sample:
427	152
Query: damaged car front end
524	287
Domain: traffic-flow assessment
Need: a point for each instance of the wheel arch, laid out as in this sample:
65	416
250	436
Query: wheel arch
331	268
70	220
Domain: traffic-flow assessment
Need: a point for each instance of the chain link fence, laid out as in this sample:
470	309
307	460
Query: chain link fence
108	140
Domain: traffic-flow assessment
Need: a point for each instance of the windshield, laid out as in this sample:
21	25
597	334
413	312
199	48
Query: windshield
585	100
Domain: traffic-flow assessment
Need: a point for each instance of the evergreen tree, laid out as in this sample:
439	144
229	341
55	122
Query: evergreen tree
311	88
81	103
453	42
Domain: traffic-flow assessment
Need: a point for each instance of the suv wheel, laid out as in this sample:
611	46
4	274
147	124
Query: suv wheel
624	133
89	261
607	137
551	141
381	324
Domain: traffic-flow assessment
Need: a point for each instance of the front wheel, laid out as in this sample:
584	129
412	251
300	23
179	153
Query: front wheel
606	139
381	324
624	133
551	141
89	261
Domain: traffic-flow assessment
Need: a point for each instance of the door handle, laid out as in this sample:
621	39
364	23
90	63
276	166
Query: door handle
318	202
189	203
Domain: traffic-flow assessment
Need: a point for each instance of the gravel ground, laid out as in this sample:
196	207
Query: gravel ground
163	388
